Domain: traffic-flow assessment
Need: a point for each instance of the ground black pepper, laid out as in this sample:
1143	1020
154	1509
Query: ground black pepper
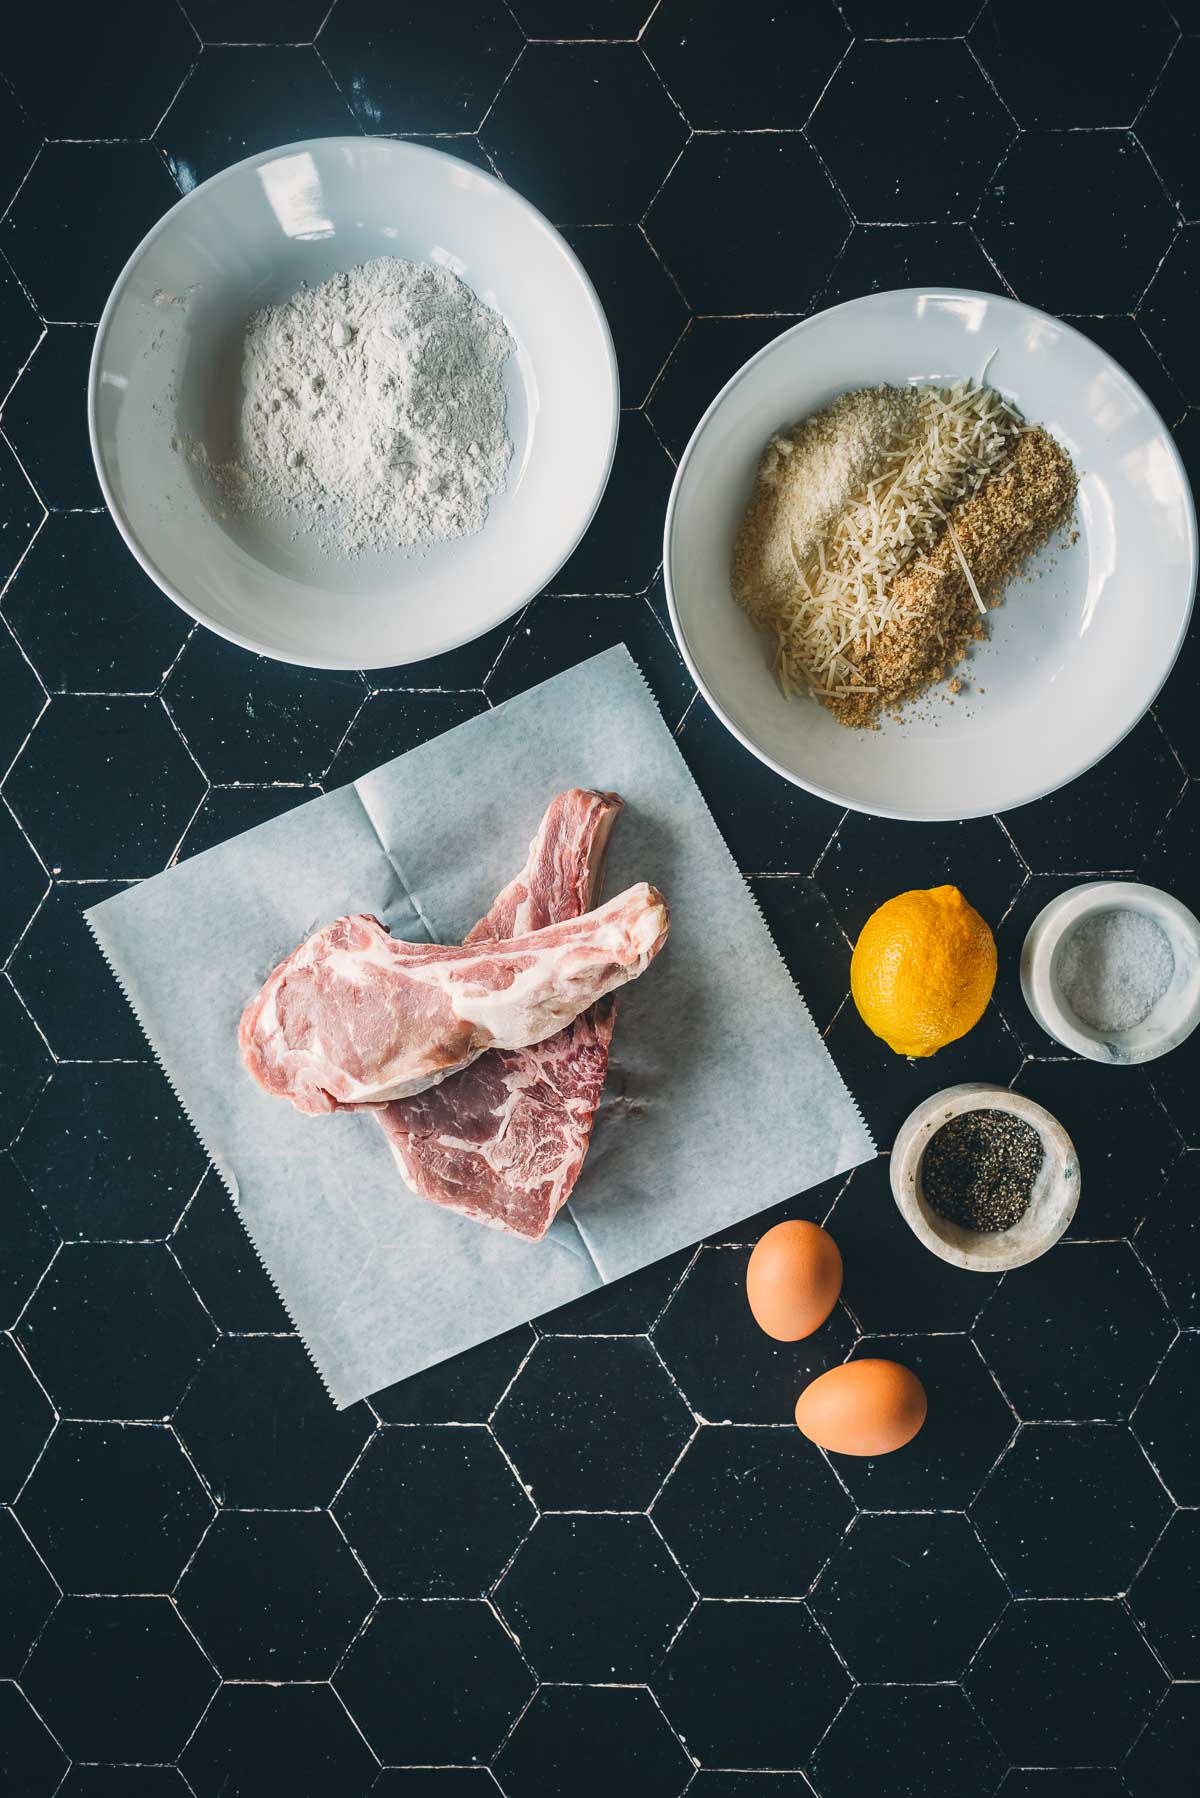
979	1169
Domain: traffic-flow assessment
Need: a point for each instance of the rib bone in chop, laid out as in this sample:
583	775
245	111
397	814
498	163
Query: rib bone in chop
354	1016
504	1141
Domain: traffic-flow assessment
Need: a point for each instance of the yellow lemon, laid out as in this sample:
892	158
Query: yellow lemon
923	970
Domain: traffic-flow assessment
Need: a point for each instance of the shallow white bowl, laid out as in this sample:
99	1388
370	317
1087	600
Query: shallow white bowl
1168	1023
1051	1205
1075	655
167	360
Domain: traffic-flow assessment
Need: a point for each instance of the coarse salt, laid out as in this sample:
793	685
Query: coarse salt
1114	968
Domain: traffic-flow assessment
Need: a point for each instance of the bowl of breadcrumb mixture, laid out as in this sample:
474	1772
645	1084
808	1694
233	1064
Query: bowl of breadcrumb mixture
930	554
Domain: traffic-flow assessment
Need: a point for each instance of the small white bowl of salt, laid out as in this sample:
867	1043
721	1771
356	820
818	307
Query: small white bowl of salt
1112	971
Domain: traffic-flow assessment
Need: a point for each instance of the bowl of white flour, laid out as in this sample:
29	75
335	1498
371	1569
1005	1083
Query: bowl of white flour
352	403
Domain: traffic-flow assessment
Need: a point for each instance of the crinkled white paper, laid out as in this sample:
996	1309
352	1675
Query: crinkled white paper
721	1098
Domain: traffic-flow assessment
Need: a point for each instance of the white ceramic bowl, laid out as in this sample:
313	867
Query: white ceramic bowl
1075	655
1051	1205
167	360
1169	1022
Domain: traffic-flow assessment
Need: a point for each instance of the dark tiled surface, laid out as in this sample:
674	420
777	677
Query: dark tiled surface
393	1582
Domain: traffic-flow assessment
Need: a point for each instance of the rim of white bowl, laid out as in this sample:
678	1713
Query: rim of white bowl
133	544
807	324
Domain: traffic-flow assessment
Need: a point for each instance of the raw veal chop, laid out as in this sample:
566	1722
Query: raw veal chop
503	1142
354	1016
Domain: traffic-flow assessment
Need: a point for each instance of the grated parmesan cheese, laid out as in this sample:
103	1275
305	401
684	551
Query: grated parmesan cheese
837	595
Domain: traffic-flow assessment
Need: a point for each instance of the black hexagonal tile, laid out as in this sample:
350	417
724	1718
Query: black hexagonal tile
908	1742
25	882
105	787
1071	1510
24	1063
771	826
1125	1141
439	72
1174	856
892	1282
29	1595
1068	1681
391	723
730	1511
559	103
556	633
593	1598
813	1205
114	633
623	545
237	102
20	328
465	1389
1051	70
623	1307
274	1595
1126	342
719	228
228	811
879	257
1162	1597
593	1424
1076	223
618	1733
936	167
45	424
709	354
967	1427
872	859
1059	1782
807	934
261	1429
114	1330
220	1262
908	1597
750	1684
81	212
1174	709
464	1682
27	1242
1167	127
1107	818
729	1369
1169	1240
1167	1422
31	1761
99	1781
118	1679
713	60
247	718
296	1739
708	1784
556	19
114	1507
28	1419
1160	313
887	1086
644	308
1170	1741
1174	1080
434	1782
109	1153
257	21
88	1016
1077	1334
20	514
100	77
433	1513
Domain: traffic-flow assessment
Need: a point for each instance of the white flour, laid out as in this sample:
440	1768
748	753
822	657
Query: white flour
374	411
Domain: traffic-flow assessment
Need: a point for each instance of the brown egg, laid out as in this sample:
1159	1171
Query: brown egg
793	1279
862	1408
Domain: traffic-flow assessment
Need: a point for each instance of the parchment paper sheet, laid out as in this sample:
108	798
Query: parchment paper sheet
721	1097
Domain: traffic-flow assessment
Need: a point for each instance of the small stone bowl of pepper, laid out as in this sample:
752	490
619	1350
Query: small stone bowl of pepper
984	1178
